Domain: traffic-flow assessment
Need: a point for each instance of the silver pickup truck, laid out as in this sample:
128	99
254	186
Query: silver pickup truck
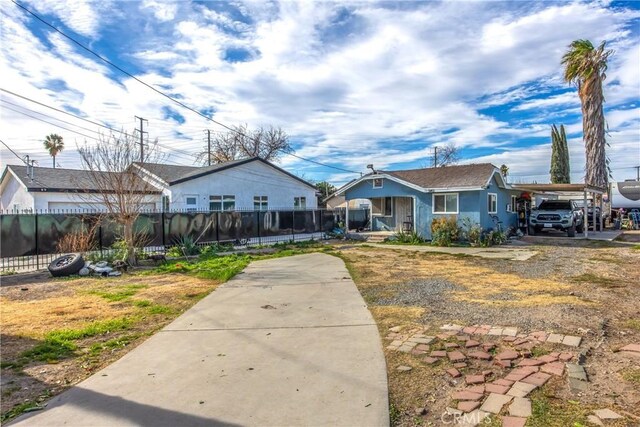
563	215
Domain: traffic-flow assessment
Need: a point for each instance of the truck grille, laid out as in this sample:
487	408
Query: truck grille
548	217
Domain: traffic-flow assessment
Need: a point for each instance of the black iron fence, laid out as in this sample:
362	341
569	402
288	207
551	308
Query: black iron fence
31	241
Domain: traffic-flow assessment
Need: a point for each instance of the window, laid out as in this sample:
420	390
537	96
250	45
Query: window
299	202
381	206
260	203
165	203
222	203
191	203
492	203
514	204
377	183
445	203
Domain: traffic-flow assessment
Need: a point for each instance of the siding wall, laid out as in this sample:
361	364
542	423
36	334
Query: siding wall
472	204
14	193
244	182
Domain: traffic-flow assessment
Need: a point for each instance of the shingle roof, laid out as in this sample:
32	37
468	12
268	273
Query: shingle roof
58	180
168	173
473	175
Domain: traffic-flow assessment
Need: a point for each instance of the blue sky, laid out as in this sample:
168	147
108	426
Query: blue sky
352	83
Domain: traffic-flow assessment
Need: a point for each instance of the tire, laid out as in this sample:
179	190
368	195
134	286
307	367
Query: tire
580	228
66	265
532	231
571	231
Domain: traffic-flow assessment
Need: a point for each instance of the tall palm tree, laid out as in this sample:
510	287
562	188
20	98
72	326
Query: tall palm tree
54	144
586	66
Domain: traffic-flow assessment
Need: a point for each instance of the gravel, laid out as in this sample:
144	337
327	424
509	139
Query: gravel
422	293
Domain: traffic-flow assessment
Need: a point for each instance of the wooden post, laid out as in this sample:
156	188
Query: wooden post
585	220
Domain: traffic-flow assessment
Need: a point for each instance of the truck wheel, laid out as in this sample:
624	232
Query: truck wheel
66	265
571	231
580	228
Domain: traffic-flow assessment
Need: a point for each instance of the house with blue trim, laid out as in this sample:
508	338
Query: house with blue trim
406	200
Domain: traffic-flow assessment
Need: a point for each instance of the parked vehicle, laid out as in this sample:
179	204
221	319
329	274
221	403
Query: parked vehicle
563	215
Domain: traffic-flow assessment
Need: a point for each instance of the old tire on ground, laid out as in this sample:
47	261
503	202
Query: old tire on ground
571	231
66	265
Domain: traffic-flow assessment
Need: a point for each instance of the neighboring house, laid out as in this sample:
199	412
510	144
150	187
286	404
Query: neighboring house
411	199
51	189
247	184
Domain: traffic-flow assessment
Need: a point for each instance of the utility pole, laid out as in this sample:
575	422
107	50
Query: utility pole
142	132
435	157
637	168
208	147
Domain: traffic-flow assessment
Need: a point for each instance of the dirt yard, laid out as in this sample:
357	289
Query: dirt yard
57	332
580	288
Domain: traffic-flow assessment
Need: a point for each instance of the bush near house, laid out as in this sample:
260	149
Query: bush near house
444	231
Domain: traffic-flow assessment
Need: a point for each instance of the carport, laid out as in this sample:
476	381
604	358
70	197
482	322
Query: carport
585	189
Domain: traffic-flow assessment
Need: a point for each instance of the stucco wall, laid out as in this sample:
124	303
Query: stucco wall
71	201
14	193
244	182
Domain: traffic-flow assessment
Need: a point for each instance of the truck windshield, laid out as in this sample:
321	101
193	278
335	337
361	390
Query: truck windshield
554	205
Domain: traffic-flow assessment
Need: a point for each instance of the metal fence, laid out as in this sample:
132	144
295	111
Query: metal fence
30	241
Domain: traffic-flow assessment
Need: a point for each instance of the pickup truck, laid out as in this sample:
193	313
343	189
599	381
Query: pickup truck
563	215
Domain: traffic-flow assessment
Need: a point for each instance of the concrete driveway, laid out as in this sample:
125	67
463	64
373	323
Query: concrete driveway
288	342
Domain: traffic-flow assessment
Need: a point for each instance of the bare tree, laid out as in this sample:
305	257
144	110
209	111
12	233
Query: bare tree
242	142
446	155
116	184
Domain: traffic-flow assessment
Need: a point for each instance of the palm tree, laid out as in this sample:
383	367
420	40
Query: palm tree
585	65
54	144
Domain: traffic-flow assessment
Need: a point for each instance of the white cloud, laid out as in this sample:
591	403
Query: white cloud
351	83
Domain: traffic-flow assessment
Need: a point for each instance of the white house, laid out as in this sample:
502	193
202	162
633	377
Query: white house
48	189
247	184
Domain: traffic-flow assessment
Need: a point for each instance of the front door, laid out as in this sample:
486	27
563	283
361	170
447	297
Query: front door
404	214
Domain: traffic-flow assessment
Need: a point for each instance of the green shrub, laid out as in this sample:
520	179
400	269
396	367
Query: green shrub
407	238
471	231
184	246
444	231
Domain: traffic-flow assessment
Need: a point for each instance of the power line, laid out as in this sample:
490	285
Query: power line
159	92
52	124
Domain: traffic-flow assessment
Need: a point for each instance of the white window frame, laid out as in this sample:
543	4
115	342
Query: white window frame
380	180
433	203
298	202
262	202
513	207
224	200
189	207
492	202
383	208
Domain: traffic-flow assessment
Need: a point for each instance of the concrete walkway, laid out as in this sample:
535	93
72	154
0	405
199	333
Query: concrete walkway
495	252
289	342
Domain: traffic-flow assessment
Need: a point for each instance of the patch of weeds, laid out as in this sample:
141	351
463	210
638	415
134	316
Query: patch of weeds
548	411
539	351
142	303
17	410
395	414
631	374
50	350
120	294
160	309
633	324
197	296
112	344
636	247
8	272
606	282
59	344
213	267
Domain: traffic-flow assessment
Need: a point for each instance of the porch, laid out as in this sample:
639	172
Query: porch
391	214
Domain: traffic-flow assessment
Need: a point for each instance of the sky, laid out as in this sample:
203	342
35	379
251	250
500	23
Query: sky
352	83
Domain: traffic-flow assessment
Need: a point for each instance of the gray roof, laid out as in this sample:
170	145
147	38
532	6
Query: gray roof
168	173
462	176
59	180
173	174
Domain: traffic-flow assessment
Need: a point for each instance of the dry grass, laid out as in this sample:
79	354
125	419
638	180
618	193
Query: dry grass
376	267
